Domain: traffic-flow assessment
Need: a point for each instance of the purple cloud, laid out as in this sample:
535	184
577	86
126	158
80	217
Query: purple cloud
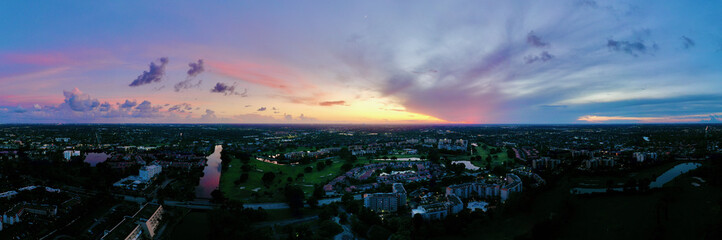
535	40
128	104
543	57
77	101
228	90
155	74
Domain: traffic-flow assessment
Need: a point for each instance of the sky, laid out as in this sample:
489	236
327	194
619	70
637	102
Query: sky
371	62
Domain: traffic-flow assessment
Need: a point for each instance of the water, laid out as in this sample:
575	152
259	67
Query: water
95	158
211	174
658	183
673	173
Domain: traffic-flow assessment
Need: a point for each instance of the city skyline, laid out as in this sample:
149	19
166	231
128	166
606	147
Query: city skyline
461	62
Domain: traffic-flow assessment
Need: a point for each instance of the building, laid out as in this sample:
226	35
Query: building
148	172
439	210
67	154
545	163
381	202
142	225
140	181
386	202
478	206
400	192
464	190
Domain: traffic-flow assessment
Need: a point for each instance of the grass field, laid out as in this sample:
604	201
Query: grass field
193	226
273	193
601	181
497	159
690	214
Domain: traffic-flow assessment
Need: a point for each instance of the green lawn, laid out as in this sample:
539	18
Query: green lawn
193	226
497	159
273	193
601	181
691	214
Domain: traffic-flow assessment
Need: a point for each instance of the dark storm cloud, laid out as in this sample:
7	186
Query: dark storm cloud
633	48
154	74
228	90
543	57
77	101
687	42
534	40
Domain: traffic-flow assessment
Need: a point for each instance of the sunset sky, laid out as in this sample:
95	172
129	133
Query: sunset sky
375	62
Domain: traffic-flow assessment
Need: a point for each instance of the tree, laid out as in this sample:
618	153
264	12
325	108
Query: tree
320	166
294	196
347	166
308	169
328	229
268	178
243	178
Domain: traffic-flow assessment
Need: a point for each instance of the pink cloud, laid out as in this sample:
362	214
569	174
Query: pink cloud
661	119
269	75
46	59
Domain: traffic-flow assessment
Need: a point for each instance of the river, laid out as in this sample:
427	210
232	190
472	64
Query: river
211	174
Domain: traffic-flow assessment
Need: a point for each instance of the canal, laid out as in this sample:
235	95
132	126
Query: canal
211	174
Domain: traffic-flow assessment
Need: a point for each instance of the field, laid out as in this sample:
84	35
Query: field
683	211
274	192
496	159
194	225
601	181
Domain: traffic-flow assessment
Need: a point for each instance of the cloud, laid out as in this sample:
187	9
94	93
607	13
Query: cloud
146	110
19	109
209	115
543	57
633	48
663	119
195	68
331	103
261	109
78	101
128	104
155	74
105	107
228	90
187	84
535	41
687	42
183	107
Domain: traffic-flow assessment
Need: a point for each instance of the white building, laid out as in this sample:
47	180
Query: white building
67	154
148	172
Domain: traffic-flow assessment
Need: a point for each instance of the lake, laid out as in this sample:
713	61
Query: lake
666	177
211	174
95	158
